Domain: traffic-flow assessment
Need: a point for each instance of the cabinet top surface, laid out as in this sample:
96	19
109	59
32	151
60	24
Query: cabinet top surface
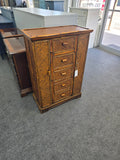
42	33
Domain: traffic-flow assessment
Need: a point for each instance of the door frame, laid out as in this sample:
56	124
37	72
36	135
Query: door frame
104	20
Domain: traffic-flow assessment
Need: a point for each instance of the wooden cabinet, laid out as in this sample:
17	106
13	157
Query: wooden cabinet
16	52
56	58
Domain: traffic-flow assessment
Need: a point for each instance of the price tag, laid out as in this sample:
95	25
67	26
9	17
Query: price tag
76	73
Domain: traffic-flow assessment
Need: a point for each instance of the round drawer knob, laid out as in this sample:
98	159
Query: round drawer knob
63	85
62	95
63	74
64	60
64	43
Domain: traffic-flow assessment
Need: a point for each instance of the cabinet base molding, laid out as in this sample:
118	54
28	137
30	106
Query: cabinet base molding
24	92
45	109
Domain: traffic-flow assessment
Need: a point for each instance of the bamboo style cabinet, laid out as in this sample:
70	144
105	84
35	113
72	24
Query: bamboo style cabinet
56	58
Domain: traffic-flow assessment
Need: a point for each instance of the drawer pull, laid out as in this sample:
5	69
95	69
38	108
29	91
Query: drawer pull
64	44
62	95
49	72
63	85
63	74
64	60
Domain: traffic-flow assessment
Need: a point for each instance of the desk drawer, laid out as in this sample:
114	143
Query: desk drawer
63	74
62	95
63	59
66	84
62	44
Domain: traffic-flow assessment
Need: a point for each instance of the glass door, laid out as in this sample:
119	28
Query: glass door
111	33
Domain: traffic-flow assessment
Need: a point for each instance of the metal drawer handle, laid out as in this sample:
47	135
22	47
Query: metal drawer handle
63	85
63	74
62	95
64	60
64	43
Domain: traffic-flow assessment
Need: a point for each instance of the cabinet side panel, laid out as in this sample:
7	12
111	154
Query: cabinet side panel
42	59
80	62
21	67
32	69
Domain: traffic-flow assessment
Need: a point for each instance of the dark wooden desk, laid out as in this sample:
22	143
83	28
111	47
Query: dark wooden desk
17	52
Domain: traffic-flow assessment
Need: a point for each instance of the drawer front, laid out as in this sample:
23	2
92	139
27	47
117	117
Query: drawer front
63	59
63	74
62	44
65	84
62	95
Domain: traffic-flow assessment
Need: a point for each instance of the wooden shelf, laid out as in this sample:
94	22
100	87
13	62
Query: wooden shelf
14	46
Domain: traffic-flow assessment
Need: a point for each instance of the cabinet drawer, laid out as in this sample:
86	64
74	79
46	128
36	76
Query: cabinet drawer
61	44
63	74
62	95
63	59
66	84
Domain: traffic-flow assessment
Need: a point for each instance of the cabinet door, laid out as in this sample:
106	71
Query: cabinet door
80	62
42	62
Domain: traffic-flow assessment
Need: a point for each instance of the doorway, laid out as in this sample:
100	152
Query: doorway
110	38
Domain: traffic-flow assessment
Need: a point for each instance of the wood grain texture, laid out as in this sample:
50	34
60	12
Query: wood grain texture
53	62
62	95
22	71
65	43
42	61
53	32
34	71
62	60
29	51
10	31
16	52
14	46
62	85
80	62
63	74
45	109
